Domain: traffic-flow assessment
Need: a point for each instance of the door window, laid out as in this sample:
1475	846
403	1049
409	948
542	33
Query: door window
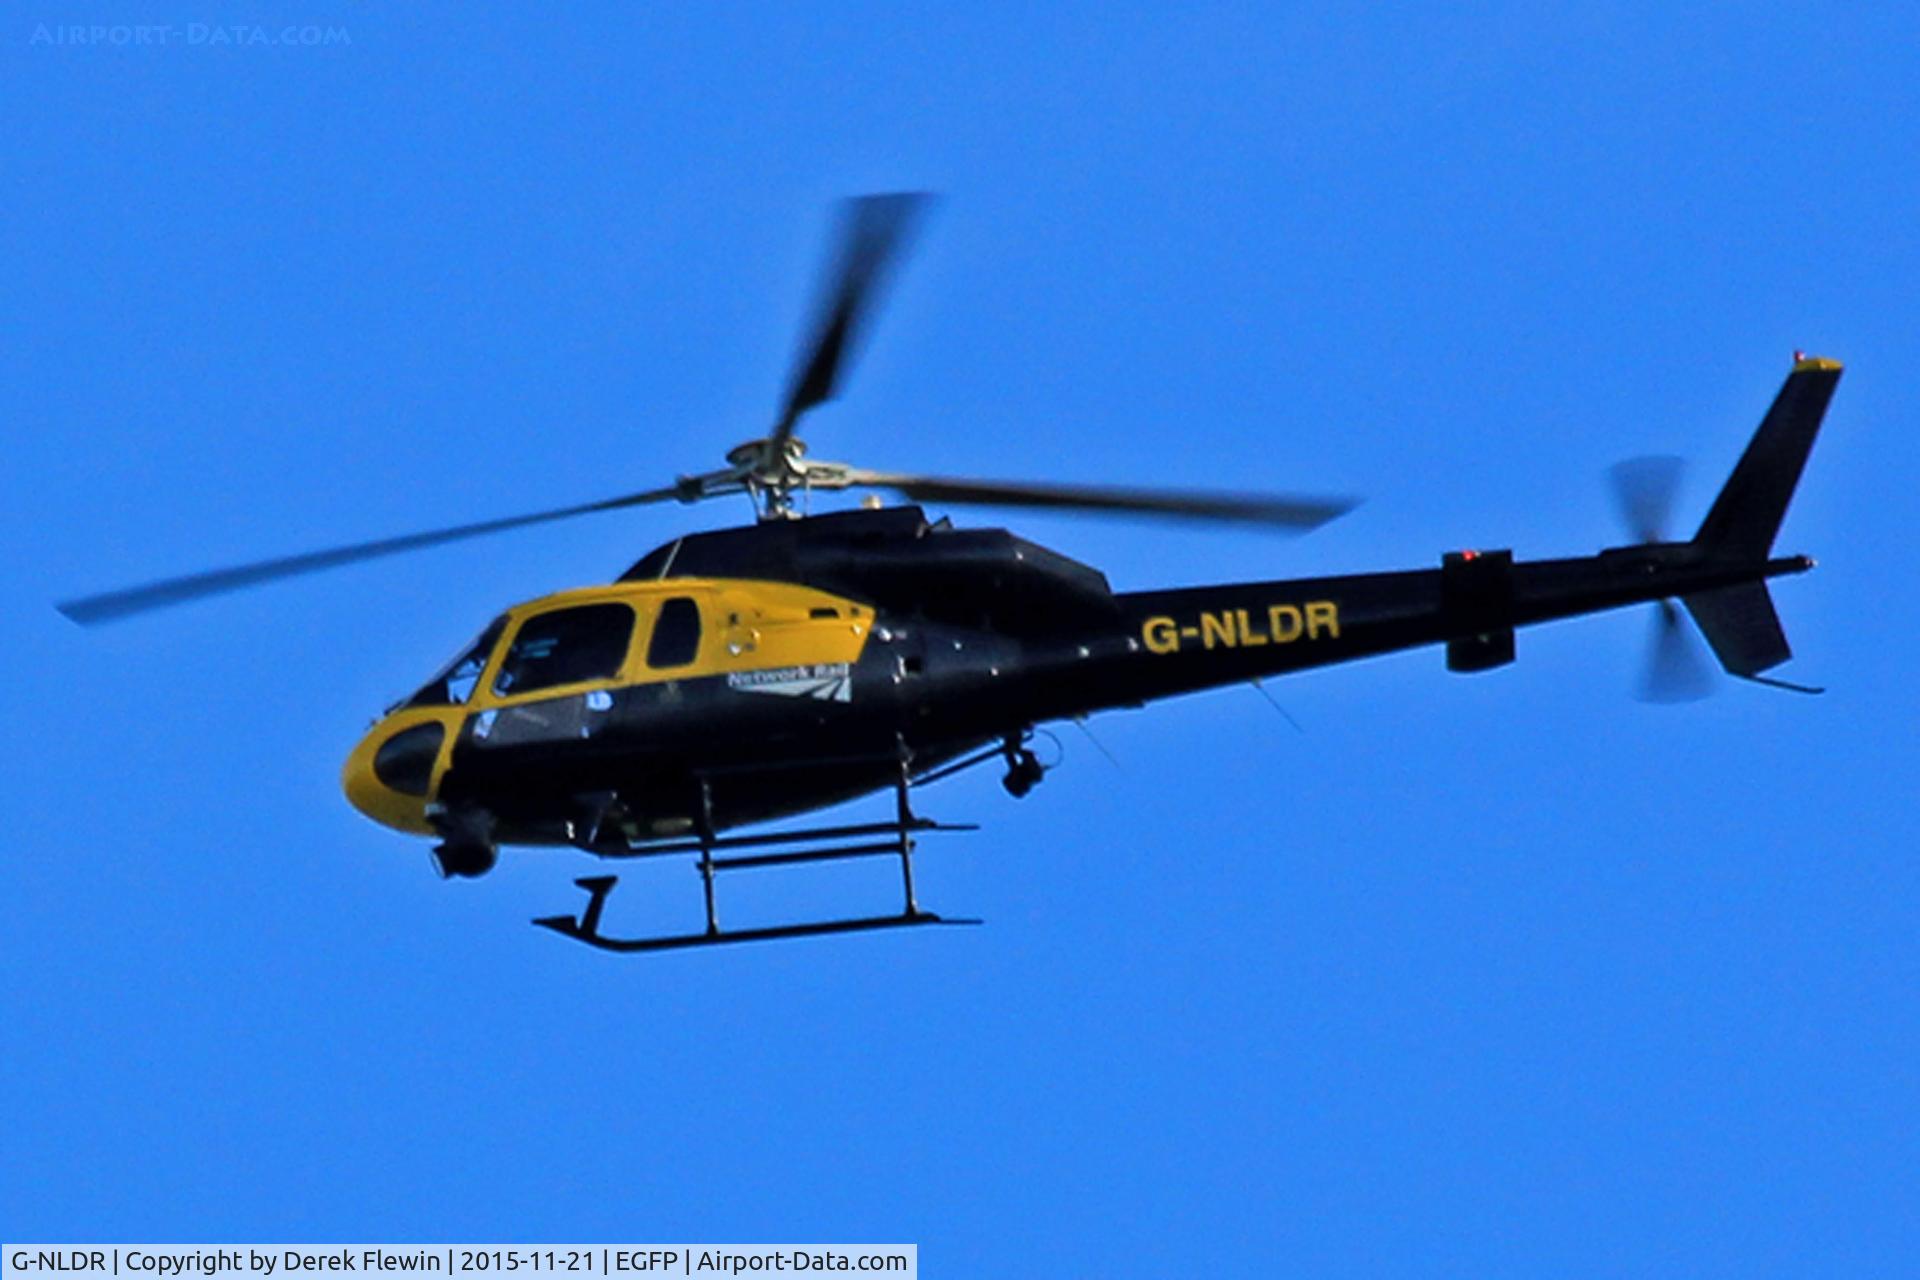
676	635
566	646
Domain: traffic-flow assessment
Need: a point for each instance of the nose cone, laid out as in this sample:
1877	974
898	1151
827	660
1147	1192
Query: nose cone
392	772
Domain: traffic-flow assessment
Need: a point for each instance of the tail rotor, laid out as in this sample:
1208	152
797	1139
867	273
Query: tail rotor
1675	670
1645	489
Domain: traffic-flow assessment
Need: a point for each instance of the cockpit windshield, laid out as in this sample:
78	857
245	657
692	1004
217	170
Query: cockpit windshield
454	684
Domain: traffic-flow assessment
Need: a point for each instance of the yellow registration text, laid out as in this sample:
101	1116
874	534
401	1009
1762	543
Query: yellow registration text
1244	628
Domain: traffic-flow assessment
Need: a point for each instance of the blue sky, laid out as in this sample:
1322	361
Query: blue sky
1500	975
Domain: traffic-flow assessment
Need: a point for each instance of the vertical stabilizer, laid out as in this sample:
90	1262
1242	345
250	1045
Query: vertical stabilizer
1748	512
1740	624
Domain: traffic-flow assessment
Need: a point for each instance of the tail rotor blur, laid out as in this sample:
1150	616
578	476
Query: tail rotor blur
1675	670
1645	489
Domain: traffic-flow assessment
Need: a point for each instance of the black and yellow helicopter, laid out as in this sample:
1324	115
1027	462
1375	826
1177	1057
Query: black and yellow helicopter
735	677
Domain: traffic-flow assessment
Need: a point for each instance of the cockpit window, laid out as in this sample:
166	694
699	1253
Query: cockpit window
566	646
454	684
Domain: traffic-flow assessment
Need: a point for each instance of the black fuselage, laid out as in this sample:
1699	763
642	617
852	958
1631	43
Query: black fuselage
975	636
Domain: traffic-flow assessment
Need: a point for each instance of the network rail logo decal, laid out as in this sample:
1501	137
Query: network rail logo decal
186	35
822	681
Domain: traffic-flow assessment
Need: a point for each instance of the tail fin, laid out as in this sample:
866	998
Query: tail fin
1741	625
1739	620
1747	514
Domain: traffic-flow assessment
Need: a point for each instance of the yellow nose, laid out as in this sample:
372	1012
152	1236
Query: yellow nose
391	774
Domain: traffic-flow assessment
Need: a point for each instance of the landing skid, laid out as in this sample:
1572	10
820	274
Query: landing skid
586	928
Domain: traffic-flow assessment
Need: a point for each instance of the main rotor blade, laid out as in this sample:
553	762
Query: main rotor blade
1675	670
112	605
1645	489
1278	510
873	230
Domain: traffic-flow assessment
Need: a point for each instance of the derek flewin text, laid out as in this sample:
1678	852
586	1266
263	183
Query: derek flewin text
214	1262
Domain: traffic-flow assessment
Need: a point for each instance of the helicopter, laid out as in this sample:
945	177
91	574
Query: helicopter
732	678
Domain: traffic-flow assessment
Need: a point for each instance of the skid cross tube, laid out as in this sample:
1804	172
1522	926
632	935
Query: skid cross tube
706	852
903	814
900	843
